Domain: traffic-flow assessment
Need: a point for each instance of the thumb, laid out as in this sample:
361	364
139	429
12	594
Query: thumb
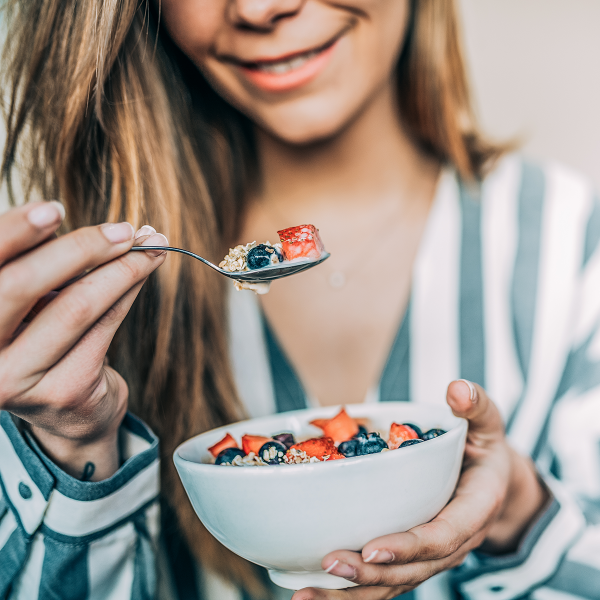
470	401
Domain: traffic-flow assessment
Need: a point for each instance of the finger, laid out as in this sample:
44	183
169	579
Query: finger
74	394
402	577
27	226
39	306
24	280
461	523
77	309
140	235
88	356
354	593
75	379
470	401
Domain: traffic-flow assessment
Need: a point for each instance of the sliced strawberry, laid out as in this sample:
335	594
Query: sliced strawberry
317	447
400	434
302	241
253	443
336	456
227	442
341	428
320	423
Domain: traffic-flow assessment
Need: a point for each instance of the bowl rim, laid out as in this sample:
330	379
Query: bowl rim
458	429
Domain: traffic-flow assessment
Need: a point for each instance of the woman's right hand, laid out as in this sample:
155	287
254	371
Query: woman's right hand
53	370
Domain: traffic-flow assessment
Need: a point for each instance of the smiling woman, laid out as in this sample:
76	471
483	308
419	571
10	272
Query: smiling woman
220	121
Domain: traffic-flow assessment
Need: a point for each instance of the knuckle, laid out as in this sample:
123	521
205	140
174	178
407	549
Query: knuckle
131	269
449	542
83	242
76	309
374	578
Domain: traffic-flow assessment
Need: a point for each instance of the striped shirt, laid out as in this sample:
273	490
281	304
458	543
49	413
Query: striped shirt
505	292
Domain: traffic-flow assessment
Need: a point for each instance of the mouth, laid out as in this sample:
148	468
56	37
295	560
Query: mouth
291	71
290	62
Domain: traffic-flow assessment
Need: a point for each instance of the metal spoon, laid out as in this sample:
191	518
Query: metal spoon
266	274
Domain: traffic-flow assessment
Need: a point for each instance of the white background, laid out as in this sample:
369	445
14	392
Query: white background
535	72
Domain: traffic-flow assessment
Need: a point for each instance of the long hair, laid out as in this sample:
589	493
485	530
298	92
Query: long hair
105	113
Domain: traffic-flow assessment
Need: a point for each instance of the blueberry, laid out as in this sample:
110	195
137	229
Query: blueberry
226	456
361	437
361	431
410	443
272	452
348	448
371	443
287	439
262	256
416	429
432	433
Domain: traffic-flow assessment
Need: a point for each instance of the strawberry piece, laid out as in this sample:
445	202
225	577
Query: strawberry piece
253	443
400	434
302	241
227	442
336	456
320	423
341	428
317	447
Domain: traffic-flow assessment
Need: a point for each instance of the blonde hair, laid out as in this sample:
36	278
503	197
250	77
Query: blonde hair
105	113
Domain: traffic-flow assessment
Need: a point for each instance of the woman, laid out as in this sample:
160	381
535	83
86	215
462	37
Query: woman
219	122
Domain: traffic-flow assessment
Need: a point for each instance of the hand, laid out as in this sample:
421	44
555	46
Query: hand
53	372
497	496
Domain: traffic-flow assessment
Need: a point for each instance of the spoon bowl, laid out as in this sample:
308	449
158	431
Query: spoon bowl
263	275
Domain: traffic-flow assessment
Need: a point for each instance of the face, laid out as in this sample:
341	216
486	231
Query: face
300	69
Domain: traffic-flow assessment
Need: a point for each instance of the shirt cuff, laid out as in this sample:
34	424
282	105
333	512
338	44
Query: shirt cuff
485	577
41	494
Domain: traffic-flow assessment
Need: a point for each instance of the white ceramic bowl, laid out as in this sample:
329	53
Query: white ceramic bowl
287	518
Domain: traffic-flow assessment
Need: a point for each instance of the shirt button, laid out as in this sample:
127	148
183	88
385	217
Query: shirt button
497	588
25	491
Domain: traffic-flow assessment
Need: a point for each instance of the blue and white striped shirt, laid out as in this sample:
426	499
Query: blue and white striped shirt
506	292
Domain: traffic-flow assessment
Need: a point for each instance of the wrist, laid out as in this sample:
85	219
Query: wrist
84	460
525	500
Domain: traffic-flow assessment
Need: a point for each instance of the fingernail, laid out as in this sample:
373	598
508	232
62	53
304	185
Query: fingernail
158	239
117	232
382	556
371	556
145	230
342	569
332	566
46	214
472	390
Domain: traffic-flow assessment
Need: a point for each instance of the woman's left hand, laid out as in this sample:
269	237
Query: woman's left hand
497	496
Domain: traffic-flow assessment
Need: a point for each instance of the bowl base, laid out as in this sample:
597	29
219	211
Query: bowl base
296	580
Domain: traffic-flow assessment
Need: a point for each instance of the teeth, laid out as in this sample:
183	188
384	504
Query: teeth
283	67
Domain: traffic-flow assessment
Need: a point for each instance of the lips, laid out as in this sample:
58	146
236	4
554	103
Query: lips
290	72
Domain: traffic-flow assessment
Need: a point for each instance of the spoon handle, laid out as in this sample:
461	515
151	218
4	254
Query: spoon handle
181	251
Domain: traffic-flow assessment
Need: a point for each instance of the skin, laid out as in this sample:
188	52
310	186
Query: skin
334	152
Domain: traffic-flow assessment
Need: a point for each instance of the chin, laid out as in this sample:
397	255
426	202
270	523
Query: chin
306	125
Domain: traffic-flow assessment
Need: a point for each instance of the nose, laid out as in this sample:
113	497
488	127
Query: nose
262	14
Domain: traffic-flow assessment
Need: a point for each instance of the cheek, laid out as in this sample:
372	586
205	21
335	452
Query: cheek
193	24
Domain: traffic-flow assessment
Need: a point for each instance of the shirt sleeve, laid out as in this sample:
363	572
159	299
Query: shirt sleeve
69	539
559	558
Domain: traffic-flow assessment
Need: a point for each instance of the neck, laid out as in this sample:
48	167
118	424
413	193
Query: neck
372	160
